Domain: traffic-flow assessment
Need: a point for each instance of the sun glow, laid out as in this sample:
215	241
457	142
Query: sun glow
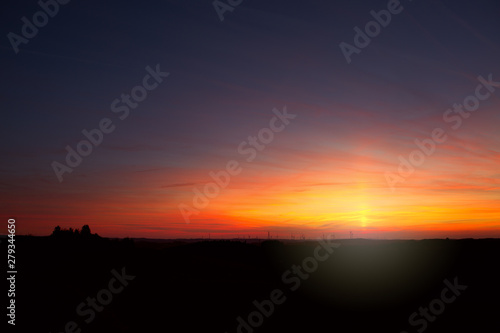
363	217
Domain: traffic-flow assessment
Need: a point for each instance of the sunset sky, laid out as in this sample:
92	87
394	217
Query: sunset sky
325	171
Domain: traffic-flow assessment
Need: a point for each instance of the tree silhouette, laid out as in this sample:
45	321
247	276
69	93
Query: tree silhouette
57	231
74	234
85	231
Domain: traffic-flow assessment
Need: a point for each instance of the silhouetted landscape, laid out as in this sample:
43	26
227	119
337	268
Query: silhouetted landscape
250	166
205	285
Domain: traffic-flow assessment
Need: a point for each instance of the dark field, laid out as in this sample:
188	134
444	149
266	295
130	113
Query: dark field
204	286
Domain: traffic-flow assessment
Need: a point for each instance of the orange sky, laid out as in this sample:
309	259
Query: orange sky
286	191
